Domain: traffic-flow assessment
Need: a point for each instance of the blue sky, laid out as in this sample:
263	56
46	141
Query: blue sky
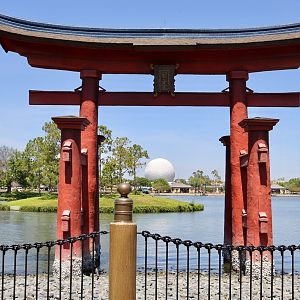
188	137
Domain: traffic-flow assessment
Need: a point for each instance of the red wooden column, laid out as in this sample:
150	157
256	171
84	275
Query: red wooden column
259	212
238	142
69	187
225	140
89	110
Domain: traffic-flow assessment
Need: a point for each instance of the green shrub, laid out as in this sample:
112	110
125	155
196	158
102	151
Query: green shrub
4	207
49	196
17	195
165	209
38	208
142	209
106	209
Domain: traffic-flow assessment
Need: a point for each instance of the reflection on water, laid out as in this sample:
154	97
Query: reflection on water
205	226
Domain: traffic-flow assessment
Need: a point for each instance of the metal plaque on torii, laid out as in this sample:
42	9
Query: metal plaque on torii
164	79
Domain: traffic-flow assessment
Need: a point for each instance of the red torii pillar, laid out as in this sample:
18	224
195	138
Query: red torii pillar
259	211
69	188
89	141
225	140
238	142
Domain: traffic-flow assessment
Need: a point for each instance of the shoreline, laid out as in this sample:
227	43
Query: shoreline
142	204
215	194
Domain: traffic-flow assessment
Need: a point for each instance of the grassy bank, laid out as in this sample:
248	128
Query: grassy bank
17	195
142	204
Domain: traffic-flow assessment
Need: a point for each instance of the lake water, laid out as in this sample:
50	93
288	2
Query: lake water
205	226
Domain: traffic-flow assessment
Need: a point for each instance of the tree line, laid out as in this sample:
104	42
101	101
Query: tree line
293	184
119	157
38	165
34	167
119	160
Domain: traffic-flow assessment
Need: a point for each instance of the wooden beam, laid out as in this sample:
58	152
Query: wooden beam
180	99
148	99
54	98
273	99
131	99
142	65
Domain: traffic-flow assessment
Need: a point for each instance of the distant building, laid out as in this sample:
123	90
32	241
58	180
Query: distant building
278	189
215	188
178	187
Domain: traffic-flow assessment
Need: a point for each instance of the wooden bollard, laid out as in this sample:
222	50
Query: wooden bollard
122	249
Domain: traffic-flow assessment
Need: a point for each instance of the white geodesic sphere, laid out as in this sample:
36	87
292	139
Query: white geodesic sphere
160	168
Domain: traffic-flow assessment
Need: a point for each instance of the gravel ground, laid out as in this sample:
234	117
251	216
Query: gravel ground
101	287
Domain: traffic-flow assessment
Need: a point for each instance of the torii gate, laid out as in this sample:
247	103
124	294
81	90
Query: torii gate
236	53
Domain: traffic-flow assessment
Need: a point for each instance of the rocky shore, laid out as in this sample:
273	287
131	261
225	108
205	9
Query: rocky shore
101	287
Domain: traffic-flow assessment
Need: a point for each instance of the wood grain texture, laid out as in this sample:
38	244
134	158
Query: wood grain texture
122	261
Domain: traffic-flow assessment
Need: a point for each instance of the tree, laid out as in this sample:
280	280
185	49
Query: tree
19	168
204	182
120	154
107	143
42	154
216	180
198	181
109	173
51	159
180	180
140	182
103	149
135	154
216	176
161	185
195	182
5	175
5	154
294	185
34	153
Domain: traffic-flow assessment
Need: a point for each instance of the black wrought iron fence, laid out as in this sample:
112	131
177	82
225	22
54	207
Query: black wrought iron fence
167	268
182	269
27	270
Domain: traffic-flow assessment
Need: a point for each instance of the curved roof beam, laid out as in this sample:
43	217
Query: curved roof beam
244	35
196	51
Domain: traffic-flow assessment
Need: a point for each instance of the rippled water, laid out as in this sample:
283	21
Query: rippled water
205	226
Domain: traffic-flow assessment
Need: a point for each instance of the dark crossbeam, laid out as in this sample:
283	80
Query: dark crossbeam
180	99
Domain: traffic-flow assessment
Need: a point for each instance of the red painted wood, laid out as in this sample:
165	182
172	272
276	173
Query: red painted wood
259	184
225	140
273	99
54	98
238	142
136	65
180	99
69	187
89	110
148	99
129	59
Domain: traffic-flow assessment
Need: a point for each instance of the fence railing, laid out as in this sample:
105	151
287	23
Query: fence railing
27	270
182	269
167	268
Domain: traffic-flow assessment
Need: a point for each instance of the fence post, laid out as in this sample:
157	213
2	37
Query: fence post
122	249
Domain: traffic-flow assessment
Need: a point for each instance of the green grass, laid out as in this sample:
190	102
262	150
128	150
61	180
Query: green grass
142	204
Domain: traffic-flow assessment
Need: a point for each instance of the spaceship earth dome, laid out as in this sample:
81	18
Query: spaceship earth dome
160	168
